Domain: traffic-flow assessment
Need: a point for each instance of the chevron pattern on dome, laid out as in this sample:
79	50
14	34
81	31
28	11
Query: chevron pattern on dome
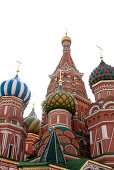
14	87
60	100
102	72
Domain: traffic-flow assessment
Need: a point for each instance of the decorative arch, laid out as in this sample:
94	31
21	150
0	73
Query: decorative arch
59	131
71	149
64	139
89	122
107	105
46	133
75	143
69	134
41	149
46	140
93	109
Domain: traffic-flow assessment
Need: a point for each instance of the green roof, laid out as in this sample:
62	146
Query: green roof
33	164
76	164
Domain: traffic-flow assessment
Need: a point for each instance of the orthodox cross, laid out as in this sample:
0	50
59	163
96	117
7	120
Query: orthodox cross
66	30
19	63
101	57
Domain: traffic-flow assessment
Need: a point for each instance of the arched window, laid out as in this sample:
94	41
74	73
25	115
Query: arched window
108	93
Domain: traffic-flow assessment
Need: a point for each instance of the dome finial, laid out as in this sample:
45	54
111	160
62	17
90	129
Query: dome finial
19	63
33	104
66	30
60	80
101	56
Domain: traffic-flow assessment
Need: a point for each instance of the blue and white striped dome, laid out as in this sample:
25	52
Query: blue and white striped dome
15	87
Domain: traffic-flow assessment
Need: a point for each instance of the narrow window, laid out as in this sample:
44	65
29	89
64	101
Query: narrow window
5	110
57	118
10	151
104	131
108	93
67	120
26	146
99	96
14	112
100	149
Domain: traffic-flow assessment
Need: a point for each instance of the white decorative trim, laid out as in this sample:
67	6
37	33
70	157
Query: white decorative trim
100	123
110	102
103	81
90	111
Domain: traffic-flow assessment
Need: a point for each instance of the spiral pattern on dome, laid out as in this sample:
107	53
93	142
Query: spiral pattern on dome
60	100
102	72
33	124
14	87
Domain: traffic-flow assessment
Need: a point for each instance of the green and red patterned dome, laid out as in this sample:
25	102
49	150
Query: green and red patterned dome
102	72
60	100
32	122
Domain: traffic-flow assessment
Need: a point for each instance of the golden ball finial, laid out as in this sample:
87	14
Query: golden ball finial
101	57
66	38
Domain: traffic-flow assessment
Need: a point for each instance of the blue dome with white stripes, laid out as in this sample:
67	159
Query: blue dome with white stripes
15	87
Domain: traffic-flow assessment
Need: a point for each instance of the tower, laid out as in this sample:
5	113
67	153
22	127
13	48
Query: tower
14	97
100	118
73	85
33	124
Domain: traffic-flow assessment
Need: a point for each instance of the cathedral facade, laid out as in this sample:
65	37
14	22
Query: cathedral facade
74	133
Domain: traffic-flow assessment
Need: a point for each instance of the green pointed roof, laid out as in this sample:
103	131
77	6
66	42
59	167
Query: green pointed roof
52	152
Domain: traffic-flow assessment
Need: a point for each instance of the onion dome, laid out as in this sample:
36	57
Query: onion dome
32	122
66	38
14	87
60	100
102	72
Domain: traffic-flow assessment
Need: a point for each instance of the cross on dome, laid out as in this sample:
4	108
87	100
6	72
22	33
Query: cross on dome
19	63
101	57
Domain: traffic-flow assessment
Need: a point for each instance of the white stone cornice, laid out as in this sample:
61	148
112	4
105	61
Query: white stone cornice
103	81
110	121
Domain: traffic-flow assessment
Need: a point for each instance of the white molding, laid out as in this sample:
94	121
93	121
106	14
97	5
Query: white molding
101	123
103	81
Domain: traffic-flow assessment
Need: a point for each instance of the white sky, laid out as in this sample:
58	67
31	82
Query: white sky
31	31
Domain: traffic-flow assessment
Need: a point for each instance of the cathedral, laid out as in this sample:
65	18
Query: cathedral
74	133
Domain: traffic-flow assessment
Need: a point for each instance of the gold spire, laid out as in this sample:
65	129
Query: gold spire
19	63
101	56
60	80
